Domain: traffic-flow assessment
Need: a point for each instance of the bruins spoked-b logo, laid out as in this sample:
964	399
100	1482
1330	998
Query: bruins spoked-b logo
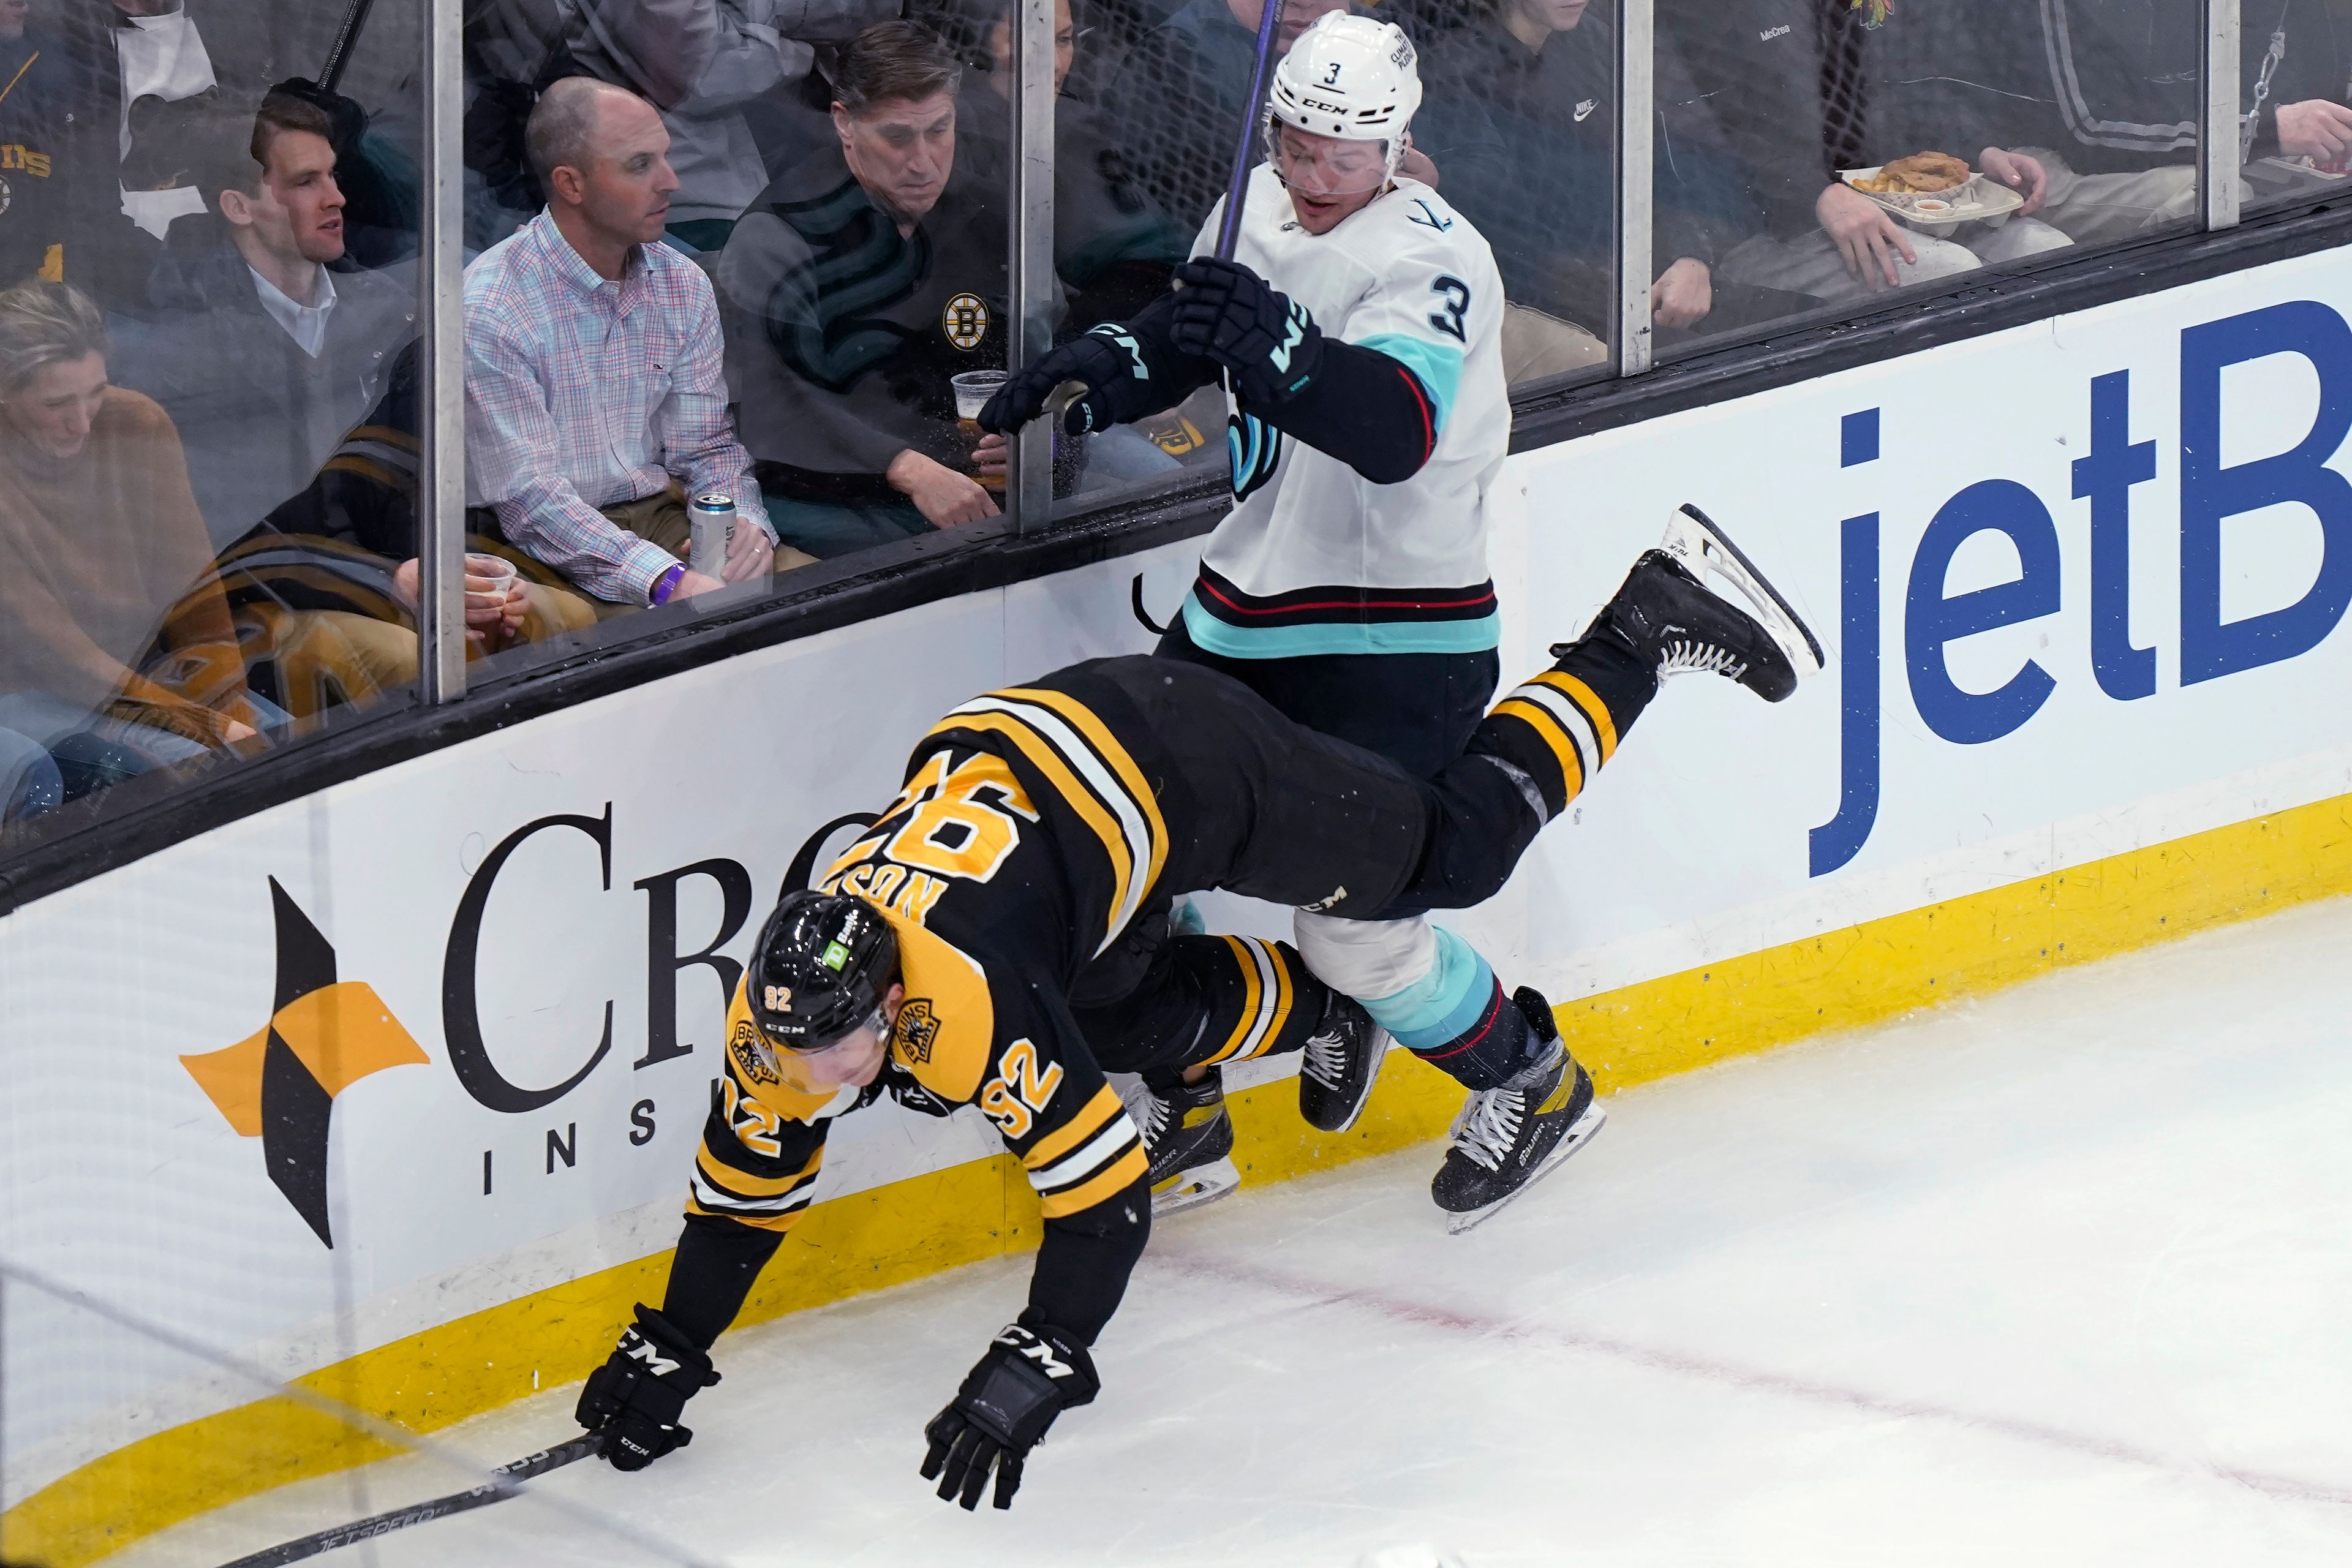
918	1028
965	321
279	1085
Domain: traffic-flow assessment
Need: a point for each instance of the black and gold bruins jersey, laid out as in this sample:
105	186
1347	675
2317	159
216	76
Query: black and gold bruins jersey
1024	839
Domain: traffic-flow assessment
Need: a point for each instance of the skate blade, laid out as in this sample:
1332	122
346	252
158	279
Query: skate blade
1189	1189
1575	1138
1700	544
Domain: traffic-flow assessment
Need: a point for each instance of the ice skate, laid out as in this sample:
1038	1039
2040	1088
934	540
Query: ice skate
1508	1139
1188	1140
1671	610
1339	1062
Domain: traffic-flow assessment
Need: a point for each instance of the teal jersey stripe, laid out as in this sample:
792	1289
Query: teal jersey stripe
1340	636
1439	367
1442	1005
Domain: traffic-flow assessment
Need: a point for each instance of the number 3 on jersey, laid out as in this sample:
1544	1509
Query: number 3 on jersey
964	821
1447	317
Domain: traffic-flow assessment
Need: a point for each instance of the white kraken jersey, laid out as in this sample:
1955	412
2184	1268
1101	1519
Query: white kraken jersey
1314	558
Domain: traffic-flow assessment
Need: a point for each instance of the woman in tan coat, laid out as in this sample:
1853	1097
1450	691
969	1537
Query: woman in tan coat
106	658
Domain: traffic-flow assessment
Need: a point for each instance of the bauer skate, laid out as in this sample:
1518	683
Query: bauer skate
1670	610
1338	1064
1508	1139
1188	1140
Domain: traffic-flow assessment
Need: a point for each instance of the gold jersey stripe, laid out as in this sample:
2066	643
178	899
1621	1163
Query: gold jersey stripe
1584	697
1548	729
1090	1119
1252	996
744	1184
1106	747
1124	1173
1048	760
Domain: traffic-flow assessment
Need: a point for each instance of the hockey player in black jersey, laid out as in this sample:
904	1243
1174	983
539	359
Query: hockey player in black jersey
999	938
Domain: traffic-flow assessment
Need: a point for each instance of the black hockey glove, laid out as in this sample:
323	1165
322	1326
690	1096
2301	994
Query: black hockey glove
1227	313
633	1400
1028	1378
1107	361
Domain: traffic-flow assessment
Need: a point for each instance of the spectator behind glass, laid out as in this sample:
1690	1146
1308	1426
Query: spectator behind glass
1113	246
858	284
106	658
595	372
762	50
1519	117
32	191
263	346
1175	109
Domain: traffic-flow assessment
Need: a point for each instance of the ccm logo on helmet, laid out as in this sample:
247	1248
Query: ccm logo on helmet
1325	108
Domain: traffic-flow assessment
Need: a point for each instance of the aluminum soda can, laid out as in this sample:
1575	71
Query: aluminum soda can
711	518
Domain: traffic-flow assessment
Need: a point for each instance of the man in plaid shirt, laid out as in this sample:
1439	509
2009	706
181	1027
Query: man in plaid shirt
594	379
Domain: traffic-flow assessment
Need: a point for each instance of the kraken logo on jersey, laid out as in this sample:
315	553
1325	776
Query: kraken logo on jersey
279	1086
965	321
1257	451
917	1028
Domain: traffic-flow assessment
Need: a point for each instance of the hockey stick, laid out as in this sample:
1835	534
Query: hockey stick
1229	231
1229	228
503	1485
339	55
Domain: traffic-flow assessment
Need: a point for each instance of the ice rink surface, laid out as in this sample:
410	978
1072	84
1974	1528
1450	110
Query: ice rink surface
2063	1276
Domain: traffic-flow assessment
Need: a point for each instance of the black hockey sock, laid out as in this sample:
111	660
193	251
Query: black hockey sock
1261	1001
1560	728
1490	1052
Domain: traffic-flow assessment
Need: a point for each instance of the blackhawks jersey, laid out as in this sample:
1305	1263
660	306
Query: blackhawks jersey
1023	840
1314	558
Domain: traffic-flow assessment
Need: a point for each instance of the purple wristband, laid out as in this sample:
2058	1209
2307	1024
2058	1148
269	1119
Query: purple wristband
665	585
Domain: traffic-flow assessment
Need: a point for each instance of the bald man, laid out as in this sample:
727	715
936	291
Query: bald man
595	394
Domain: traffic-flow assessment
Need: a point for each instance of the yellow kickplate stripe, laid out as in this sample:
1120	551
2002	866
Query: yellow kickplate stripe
1837	979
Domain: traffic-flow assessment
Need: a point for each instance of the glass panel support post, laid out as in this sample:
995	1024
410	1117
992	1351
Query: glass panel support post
441	364
2221	135
1030	259
1636	178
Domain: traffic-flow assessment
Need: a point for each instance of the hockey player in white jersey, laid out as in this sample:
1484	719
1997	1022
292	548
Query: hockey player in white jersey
1358	329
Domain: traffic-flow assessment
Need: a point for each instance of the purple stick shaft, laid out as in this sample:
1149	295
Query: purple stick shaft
1229	232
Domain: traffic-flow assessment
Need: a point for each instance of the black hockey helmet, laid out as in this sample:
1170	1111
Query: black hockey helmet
823	964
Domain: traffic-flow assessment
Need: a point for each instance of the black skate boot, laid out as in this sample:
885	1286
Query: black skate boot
1669	613
1341	1059
1507	1139
1188	1140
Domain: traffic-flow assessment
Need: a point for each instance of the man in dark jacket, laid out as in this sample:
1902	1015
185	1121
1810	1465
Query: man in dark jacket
851	292
1520	120
261	349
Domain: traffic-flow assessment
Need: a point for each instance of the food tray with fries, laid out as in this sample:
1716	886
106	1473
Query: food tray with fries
1954	195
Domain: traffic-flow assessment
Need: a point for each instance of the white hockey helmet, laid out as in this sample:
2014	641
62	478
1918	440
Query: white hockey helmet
1351	78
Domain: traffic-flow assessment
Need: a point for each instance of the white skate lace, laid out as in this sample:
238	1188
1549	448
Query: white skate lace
1685	656
1327	1060
1153	1110
1490	1125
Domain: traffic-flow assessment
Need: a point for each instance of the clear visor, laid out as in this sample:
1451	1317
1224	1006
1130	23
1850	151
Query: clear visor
1324	166
849	1059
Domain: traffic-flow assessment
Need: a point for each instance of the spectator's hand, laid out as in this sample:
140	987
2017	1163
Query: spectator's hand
989	457
233	732
749	554
694	583
945	498
494	595
1865	235
1682	294
1415	164
2318	130
2020	174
